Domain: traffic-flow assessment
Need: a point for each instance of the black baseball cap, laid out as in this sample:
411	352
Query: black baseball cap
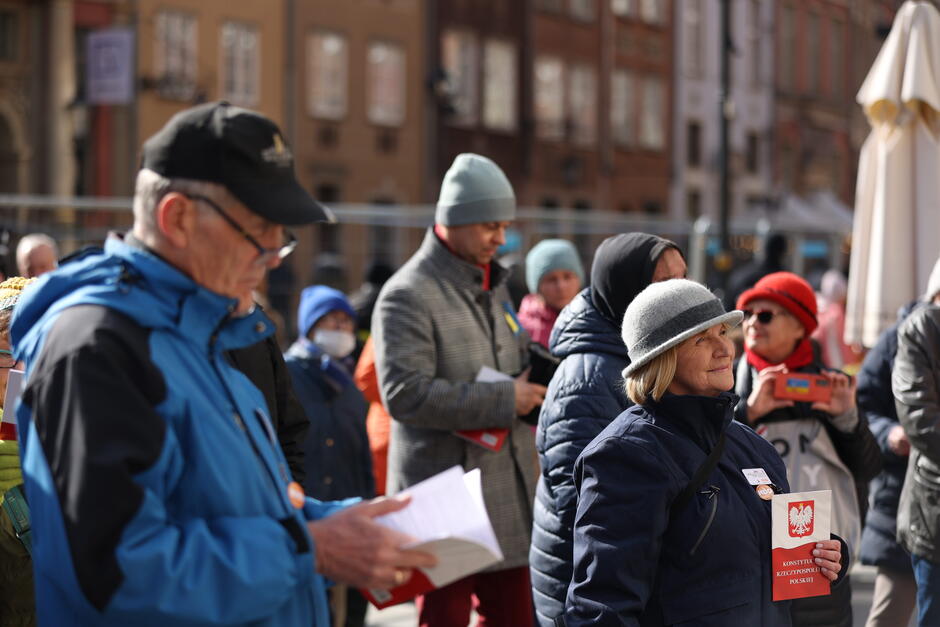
237	148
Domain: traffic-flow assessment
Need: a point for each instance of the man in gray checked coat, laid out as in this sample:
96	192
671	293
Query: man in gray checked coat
438	320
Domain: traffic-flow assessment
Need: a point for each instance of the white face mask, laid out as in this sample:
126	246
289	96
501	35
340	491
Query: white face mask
336	344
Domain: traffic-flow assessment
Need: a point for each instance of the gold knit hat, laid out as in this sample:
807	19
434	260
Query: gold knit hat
11	289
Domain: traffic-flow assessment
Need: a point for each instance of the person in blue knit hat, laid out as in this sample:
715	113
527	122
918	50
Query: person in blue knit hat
554	276
337	458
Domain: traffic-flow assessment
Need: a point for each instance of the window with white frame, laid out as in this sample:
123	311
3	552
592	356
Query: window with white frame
327	72
693	23
387	88
241	59
623	107
583	10
549	98
499	85
622	8
653	11
582	96
175	54
653	114
460	54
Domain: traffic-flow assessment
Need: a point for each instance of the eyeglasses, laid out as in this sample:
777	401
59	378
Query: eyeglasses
764	316
6	359
264	254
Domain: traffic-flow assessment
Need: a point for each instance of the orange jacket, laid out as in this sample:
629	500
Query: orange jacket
378	422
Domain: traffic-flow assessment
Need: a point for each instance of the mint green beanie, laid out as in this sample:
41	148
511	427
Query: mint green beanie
475	190
549	255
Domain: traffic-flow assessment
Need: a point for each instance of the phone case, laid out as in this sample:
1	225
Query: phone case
797	386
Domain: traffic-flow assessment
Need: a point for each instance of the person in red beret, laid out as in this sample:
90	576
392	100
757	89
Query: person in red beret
825	445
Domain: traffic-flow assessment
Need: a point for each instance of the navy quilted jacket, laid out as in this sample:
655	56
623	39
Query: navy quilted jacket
584	396
876	402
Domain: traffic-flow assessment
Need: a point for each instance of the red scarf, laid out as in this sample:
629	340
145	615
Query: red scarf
801	356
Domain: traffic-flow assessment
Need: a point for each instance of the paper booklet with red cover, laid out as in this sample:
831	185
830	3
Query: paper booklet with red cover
491	439
11	396
446	517
799	520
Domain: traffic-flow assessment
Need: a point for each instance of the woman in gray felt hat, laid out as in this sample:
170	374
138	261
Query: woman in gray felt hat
653	545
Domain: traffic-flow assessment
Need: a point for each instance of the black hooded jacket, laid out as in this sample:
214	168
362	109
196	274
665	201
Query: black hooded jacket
584	396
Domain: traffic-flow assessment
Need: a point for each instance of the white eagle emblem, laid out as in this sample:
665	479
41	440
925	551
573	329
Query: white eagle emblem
801	519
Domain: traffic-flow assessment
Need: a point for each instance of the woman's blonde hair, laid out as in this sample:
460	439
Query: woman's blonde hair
652	379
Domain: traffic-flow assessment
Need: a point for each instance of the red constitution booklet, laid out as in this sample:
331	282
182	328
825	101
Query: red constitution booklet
491	439
799	520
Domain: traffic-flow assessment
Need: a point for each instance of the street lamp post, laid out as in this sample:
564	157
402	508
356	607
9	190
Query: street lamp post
725	111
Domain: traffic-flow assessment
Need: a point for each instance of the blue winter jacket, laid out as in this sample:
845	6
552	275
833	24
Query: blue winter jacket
337	458
711	565
583	397
879	546
157	489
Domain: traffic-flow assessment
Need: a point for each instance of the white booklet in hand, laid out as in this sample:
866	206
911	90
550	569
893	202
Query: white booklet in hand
447	517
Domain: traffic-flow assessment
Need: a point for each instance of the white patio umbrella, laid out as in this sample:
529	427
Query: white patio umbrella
896	231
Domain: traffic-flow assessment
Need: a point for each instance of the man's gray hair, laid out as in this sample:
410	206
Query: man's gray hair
151	187
29	242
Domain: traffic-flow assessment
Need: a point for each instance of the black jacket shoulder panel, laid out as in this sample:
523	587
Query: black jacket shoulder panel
93	393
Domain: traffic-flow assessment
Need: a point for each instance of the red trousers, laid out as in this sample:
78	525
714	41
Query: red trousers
501	599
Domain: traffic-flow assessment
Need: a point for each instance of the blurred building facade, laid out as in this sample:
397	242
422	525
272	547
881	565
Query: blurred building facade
814	95
478	67
191	51
695	184
21	71
571	97
357	124
587	105
602	96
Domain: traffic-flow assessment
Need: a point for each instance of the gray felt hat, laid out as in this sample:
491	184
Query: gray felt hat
667	313
475	190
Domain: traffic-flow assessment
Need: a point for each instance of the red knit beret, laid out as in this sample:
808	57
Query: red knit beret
790	292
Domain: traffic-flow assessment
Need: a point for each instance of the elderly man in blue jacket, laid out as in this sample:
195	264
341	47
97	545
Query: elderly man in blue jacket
158	492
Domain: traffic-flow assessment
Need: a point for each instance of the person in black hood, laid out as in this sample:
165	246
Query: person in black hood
585	394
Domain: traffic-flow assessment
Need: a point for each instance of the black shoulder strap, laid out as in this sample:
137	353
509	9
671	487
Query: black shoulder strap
698	479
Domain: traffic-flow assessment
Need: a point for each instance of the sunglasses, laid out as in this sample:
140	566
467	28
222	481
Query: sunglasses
6	359
764	316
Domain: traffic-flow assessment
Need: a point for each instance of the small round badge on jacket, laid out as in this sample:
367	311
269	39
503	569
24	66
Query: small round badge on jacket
296	494
764	491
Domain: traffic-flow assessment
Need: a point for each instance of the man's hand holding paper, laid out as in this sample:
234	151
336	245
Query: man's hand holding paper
352	548
448	517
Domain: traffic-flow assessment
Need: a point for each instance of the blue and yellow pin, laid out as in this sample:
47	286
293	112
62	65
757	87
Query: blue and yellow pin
511	319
